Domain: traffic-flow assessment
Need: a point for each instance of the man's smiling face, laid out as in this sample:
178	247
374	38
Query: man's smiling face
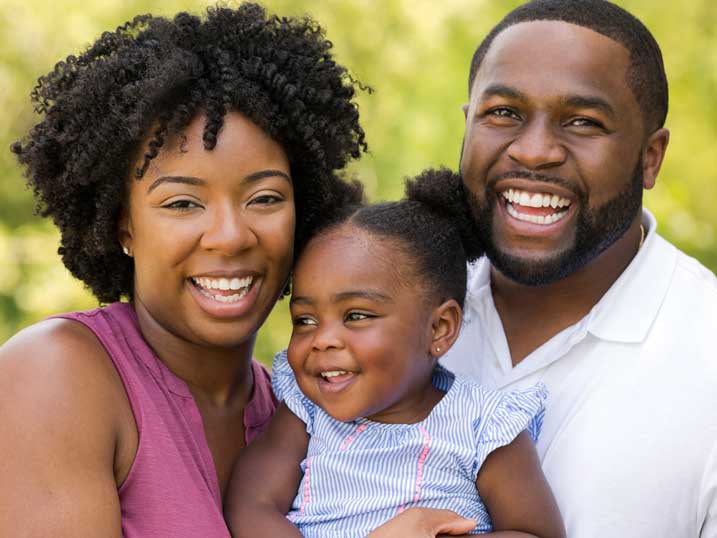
552	149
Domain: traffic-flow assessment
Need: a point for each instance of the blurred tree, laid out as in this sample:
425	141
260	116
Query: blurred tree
415	54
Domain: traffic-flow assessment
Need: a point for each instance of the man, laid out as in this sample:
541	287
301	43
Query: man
564	130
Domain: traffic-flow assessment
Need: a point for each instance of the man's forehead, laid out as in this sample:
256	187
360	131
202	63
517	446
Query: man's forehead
556	52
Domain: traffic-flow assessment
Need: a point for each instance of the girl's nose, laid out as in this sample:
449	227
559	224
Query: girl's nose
327	336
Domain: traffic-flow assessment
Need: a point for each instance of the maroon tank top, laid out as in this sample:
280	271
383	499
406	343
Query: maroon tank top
172	487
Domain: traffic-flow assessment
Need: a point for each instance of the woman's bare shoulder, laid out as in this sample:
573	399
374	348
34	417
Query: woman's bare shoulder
60	364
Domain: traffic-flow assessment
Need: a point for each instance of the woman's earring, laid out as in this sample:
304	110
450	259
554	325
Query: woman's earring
126	251
438	350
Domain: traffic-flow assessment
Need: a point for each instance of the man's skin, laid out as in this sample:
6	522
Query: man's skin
532	110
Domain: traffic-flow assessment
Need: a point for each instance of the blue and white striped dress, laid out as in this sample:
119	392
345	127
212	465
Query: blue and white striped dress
360	474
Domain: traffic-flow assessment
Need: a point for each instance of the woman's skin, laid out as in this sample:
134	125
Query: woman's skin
69	435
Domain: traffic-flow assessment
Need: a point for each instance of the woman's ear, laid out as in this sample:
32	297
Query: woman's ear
124	233
445	324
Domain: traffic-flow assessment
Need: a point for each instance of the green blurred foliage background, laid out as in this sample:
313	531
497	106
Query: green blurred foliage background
415	54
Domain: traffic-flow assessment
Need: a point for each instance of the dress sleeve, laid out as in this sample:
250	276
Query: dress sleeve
506	414
286	389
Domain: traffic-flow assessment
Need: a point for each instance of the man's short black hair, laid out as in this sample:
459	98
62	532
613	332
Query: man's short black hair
149	79
646	73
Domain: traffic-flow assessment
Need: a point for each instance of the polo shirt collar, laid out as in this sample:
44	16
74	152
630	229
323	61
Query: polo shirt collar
628	309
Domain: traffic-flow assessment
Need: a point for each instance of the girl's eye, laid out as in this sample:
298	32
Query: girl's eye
301	321
181	205
357	316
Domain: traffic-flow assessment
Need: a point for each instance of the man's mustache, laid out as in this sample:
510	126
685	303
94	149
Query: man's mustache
535	176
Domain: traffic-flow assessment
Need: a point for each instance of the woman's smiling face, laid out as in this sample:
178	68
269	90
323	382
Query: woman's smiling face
211	233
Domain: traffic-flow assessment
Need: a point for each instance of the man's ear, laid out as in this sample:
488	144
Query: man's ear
465	110
652	156
445	326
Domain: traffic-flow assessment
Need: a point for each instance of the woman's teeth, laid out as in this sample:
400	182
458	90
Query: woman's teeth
242	285
517	198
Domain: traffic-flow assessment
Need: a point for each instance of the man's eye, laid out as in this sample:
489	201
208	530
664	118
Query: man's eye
584	122
503	112
181	205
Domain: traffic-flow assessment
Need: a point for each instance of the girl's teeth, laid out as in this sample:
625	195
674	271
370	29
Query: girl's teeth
223	283
224	298
333	373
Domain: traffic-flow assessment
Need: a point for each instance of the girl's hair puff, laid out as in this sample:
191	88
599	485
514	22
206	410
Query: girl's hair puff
432	227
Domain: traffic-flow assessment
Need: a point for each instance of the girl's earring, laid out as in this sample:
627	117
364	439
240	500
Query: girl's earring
438	350
126	251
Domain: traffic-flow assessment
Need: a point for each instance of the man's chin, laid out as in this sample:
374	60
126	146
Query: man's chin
534	269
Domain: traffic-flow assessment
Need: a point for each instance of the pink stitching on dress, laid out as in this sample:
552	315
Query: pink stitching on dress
419	468
307	487
421	460
350	438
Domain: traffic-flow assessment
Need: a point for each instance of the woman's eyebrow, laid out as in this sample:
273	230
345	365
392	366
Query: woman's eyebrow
261	174
187	180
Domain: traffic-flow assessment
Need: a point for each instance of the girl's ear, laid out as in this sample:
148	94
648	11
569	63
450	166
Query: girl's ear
445	325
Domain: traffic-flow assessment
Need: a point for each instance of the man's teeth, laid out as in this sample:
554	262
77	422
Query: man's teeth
537	199
241	284
536	219
333	373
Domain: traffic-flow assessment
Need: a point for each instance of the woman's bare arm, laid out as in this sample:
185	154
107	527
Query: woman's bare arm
61	403
266	478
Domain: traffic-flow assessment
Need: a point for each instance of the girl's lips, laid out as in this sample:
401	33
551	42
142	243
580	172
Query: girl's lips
225	309
336	384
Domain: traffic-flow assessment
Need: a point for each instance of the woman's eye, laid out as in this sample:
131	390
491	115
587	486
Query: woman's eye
266	199
181	205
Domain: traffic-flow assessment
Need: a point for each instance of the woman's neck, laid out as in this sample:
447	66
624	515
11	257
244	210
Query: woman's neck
217	375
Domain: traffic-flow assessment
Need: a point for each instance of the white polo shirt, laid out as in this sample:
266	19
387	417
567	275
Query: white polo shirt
629	441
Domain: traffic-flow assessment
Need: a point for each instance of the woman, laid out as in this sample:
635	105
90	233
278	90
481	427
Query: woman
182	160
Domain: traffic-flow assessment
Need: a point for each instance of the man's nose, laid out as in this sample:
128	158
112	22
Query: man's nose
228	231
537	146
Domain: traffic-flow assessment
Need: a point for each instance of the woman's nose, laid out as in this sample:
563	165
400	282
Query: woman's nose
228	231
537	146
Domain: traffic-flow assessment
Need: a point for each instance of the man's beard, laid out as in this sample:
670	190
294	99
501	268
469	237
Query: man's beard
595	231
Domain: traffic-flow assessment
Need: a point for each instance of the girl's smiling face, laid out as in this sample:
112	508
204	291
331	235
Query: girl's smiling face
361	344
211	234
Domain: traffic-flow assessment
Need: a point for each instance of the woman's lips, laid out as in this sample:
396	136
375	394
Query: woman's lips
225	297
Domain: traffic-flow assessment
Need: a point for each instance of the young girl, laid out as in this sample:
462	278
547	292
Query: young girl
370	424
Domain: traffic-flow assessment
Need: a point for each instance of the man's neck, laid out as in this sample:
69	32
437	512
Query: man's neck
532	315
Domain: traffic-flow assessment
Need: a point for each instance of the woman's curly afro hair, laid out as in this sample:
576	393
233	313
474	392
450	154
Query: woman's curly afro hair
155	74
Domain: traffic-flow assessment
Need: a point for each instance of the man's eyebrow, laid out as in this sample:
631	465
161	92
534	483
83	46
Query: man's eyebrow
590	101
501	90
187	180
190	180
